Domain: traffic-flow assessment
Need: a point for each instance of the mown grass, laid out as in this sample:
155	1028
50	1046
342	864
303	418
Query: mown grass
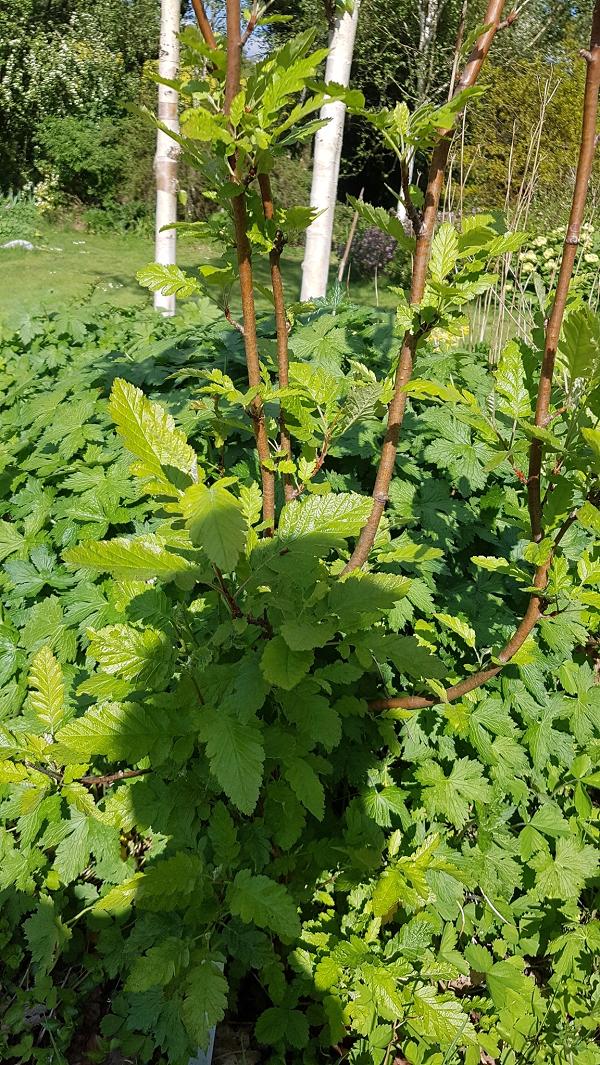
100	267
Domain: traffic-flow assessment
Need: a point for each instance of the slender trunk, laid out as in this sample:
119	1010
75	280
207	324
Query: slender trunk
167	151
326	159
244	258
538	602
419	276
204	24
349	242
457	49
281	324
582	180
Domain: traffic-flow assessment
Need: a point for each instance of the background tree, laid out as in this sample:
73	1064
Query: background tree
327	155
167	150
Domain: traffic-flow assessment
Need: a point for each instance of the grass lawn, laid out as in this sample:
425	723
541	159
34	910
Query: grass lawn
101	267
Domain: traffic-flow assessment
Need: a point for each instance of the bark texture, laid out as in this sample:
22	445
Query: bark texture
167	150
326	158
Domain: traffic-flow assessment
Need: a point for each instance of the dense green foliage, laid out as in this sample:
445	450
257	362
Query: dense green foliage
68	74
201	809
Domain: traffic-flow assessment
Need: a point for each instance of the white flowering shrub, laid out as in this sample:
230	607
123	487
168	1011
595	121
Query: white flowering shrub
540	256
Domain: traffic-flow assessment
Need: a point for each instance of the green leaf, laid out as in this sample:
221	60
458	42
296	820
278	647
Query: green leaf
510	988
279	1025
11	540
47	689
360	593
592	438
440	1018
140	559
45	934
444	252
579	345
451	795
142	655
216	522
406	654
116	730
458	626
380	218
149	433
282	666
170	280
235	753
159	965
510	383
564	876
333	516
163	884
205	999
261	901
306	786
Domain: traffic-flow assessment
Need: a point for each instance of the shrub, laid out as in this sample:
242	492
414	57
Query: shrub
372	251
540	256
19	217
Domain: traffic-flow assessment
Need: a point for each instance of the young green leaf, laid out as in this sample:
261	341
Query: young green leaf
216	522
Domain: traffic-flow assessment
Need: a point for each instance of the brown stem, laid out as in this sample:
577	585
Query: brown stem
535	611
251	25
280	323
582	180
232	321
420	264
235	609
227	595
244	259
112	778
204	24
234	54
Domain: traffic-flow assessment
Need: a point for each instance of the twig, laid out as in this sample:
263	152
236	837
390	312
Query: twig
112	778
420	264
91	781
232	321
412	210
251	24
348	244
582	180
458	46
281	323
236	610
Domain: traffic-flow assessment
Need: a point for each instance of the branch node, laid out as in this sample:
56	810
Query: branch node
381	497
585	54
509	20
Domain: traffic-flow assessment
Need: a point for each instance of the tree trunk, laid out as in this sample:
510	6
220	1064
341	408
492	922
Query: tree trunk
326	159
167	150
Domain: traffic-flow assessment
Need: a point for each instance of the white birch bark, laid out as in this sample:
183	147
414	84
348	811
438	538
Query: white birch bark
326	159
167	150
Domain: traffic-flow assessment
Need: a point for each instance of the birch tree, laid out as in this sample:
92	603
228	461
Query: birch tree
167	150
326	158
